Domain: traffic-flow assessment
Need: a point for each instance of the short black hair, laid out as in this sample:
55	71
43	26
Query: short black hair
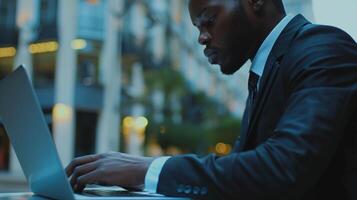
279	5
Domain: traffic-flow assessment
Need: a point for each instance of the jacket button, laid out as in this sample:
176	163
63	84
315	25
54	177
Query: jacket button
180	188
187	189
196	190
203	191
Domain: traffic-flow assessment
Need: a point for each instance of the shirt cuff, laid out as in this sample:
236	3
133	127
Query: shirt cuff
153	173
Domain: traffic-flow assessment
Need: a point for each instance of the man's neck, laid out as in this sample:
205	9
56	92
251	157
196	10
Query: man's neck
266	28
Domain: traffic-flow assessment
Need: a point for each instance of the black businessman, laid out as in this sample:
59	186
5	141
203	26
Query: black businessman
299	130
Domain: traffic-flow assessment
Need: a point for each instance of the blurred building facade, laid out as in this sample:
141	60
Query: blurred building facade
71	52
89	61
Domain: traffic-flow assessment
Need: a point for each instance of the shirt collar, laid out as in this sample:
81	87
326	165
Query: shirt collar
260	59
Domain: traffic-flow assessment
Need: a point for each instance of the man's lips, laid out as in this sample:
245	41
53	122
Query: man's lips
212	55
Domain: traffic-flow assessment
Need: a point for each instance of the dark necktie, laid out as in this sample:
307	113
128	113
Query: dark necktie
253	89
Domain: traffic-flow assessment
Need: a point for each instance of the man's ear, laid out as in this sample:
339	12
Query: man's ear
257	6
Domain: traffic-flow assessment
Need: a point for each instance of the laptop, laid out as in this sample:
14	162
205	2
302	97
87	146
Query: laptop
30	137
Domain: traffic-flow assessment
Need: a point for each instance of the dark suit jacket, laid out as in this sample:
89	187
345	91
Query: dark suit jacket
302	139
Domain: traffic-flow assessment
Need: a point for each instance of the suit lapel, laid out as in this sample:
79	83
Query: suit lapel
267	79
270	71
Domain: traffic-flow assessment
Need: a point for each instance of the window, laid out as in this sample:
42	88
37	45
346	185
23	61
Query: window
8	30
48	20
85	132
4	149
7	13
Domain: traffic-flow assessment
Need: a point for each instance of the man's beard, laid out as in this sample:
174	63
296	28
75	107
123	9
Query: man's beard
229	65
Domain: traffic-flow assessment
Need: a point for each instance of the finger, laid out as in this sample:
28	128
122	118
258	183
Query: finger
81	170
80	161
89	178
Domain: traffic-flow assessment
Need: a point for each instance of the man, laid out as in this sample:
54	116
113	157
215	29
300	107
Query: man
299	130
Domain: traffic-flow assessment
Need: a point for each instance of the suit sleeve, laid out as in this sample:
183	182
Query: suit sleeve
321	82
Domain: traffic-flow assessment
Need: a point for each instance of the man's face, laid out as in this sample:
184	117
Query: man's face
224	30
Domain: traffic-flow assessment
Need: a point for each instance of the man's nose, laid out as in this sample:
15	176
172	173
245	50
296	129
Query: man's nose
204	38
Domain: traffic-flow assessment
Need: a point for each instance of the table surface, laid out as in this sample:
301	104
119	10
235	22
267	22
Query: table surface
30	196
18	196
104	192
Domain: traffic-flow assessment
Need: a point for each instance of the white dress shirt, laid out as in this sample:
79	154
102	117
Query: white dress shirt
258	65
260	59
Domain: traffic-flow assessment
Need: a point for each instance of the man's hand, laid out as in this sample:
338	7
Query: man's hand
108	169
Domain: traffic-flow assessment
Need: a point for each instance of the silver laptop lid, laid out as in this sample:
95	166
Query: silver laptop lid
25	125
